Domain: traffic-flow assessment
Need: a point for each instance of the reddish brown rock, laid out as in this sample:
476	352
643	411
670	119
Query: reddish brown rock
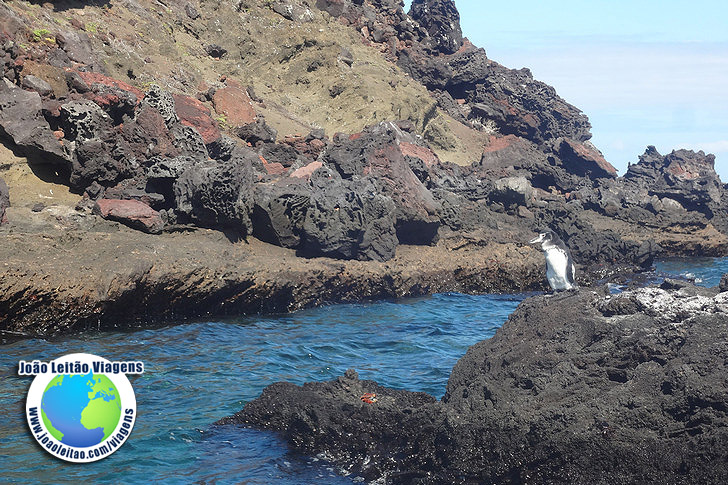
234	104
305	172
496	143
423	153
92	78
148	134
274	168
584	159
132	213
194	114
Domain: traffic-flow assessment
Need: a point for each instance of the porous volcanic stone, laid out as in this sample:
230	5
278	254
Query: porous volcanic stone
580	387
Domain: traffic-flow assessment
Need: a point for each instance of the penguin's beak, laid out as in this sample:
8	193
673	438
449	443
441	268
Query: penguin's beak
536	239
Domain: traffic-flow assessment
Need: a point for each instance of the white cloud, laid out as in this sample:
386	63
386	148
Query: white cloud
711	146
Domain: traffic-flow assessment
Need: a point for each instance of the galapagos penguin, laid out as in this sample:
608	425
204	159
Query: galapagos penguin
560	270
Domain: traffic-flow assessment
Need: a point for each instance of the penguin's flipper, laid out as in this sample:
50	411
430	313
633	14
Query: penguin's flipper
571	272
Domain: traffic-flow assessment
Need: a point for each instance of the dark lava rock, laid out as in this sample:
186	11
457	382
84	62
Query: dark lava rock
348	219
257	131
58	58
311	414
4	201
280	153
192	11
34	83
132	213
723	283
594	245
22	121
77	45
441	20
511	100
292	10
95	154
580	387
514	156
684	176
381	151
76	82
346	56
218	194
280	211
215	50
511	191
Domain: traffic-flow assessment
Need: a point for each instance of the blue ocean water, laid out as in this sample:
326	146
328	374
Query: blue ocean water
196	373
704	271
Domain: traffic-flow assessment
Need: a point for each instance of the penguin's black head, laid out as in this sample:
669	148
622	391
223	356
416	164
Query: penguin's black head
547	239
544	237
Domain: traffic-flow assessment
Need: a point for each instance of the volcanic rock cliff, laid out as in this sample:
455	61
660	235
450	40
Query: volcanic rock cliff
337	129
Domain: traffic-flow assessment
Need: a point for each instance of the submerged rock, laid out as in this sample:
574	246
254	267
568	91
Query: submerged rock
579	387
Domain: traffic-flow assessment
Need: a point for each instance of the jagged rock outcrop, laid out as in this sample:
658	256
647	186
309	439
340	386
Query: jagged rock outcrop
382	152
114	140
682	179
349	219
218	193
672	195
441	21
581	387
21	120
591	244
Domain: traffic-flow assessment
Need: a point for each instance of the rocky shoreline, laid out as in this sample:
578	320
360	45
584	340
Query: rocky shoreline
155	168
464	162
70	272
579	387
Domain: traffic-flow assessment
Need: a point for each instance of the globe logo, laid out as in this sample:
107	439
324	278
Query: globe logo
81	410
80	407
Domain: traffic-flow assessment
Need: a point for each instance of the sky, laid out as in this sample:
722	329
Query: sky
645	72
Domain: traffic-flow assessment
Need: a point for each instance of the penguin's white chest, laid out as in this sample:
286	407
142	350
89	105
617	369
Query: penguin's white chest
557	268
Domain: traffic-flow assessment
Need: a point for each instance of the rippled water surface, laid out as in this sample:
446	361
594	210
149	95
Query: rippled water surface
197	373
705	271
